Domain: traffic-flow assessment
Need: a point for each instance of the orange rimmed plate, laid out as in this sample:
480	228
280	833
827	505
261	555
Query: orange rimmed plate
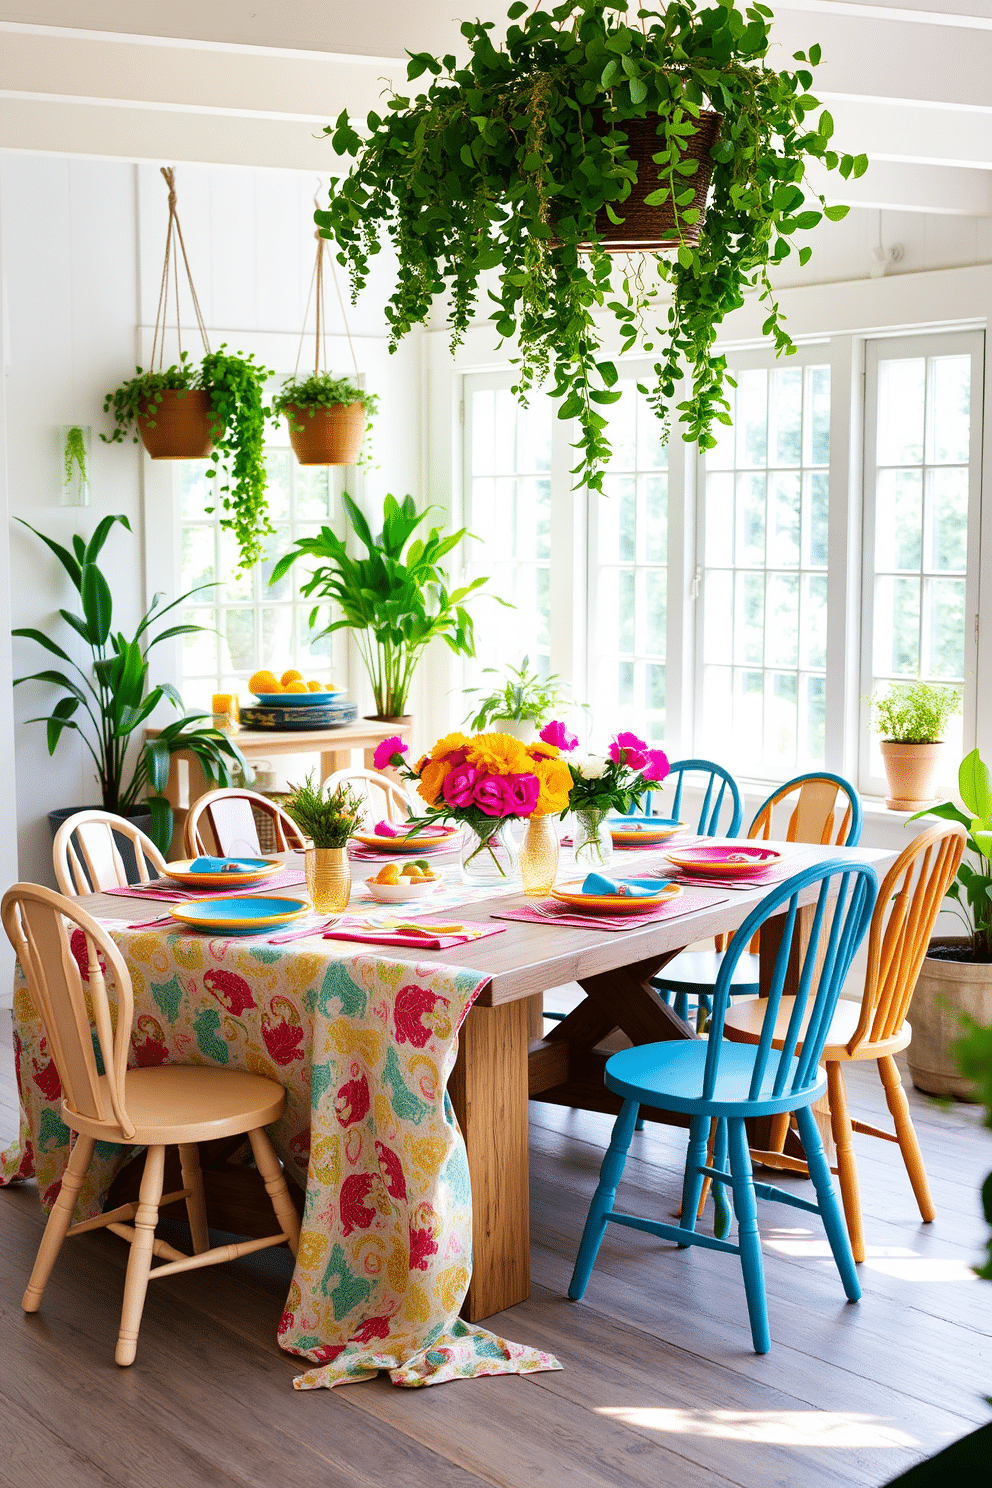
183	873
422	842
724	860
628	904
627	832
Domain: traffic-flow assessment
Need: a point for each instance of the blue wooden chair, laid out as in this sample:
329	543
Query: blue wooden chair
715	1080
721	789
693	974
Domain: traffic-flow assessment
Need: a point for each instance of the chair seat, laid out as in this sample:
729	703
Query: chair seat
670	1075
697	971
175	1103
743	1026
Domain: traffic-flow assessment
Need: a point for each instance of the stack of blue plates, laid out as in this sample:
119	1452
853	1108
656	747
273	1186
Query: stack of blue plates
324	712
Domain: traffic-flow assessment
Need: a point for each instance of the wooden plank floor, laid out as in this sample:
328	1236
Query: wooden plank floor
660	1385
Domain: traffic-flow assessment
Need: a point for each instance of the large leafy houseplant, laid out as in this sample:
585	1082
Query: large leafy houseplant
237	428
396	598
108	701
971	890
507	161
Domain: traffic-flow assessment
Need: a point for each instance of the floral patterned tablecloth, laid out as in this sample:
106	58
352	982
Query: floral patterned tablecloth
363	1046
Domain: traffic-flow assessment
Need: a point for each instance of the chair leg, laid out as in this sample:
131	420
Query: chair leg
748	1237
778	1131
847	1167
602	1201
196	1204
276	1187
58	1222
833	1223
140	1260
895	1098
721	1201
692	1183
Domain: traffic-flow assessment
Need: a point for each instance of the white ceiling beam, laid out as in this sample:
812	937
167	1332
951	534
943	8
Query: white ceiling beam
893	186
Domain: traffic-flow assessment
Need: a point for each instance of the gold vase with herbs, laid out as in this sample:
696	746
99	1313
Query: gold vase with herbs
328	818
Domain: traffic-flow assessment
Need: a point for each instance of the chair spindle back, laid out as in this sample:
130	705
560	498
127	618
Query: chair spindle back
721	789
35	921
813	817
87	858
222	822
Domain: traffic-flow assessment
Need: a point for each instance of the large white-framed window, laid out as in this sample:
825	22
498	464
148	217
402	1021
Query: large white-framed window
249	624
762	556
922	506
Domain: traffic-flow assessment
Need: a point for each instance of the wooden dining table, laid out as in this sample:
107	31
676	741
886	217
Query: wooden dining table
504	1060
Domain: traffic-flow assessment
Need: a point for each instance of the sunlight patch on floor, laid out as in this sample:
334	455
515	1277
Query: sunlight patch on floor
890	1260
771	1428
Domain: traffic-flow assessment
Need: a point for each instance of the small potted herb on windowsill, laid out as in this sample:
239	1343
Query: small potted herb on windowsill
521	706
911	718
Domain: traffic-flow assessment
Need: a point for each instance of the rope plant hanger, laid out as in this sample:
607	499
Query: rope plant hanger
327	416
190	411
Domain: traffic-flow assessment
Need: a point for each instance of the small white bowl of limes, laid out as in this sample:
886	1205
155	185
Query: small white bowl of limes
396	885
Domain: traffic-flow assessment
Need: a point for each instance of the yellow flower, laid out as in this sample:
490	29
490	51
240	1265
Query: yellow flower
432	777
556	783
498	754
540	750
448	745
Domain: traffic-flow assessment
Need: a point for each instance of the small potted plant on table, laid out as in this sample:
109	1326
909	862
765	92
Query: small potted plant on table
328	818
911	718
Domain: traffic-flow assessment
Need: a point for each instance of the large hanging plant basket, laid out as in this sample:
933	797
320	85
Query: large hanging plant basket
539	158
176	425
326	436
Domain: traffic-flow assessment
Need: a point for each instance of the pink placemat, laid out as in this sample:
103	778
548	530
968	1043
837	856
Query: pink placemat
172	893
552	912
690	840
475	930
792	862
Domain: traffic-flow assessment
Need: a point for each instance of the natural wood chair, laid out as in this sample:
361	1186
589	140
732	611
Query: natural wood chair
88	860
221	822
154	1107
908	904
373	788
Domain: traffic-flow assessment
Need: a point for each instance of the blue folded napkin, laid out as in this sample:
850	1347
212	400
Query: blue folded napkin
634	888
226	865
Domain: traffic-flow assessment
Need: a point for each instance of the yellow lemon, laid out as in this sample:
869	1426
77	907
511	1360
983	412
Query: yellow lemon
296	687
291	676
388	875
315	687
262	682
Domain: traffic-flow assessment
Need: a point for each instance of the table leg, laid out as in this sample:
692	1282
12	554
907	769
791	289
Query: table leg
488	1089
332	760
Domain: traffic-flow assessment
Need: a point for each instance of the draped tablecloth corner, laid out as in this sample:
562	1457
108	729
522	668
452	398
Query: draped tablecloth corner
363	1046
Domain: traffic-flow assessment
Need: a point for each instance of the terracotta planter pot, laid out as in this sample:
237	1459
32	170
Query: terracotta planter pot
647	228
910	770
328	436
944	990
178	428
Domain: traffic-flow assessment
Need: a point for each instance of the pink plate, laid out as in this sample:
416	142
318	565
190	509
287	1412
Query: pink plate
724	860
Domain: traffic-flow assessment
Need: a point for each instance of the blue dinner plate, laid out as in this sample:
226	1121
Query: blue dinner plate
254	916
297	699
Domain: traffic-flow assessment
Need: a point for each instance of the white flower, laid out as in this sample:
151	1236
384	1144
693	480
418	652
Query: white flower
589	766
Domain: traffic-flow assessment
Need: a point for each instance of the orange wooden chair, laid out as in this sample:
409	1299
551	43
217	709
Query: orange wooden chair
876	1028
154	1107
222	822
88	859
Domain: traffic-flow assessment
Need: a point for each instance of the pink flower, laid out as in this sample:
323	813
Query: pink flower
521	793
628	749
389	752
656	767
490	795
459	785
556	733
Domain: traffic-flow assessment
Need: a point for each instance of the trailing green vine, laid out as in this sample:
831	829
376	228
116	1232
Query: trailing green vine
74	462
504	163
147	387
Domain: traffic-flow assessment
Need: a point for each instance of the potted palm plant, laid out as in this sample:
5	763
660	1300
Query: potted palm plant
328	418
911	718
591	130
107	702
395	600
956	976
520	705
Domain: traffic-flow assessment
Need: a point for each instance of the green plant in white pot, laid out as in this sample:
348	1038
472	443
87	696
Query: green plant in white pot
911	718
520	704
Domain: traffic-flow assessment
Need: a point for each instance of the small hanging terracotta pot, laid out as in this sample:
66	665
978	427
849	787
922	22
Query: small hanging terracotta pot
328	436
180	427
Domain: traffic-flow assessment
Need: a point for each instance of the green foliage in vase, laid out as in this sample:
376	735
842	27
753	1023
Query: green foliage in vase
971	891
108	702
238	431
915	712
505	162
523	696
74	459
327	817
394	601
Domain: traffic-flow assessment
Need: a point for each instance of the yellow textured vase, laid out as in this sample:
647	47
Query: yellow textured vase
539	855
328	878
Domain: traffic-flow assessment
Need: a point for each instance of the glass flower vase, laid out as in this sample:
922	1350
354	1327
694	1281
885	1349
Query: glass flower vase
593	842
539	855
489	855
328	878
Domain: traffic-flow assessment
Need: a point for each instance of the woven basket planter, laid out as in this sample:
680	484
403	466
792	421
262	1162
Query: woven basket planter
329	436
651	229
178	428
